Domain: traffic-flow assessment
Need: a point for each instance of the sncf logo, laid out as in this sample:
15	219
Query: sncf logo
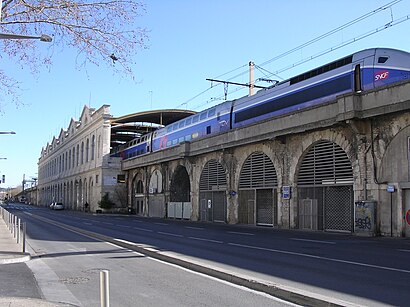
382	75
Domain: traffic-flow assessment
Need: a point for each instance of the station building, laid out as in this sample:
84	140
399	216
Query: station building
76	168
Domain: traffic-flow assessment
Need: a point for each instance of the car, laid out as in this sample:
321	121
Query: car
52	205
58	206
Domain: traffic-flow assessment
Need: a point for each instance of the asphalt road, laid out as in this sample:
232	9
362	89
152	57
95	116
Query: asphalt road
67	265
354	270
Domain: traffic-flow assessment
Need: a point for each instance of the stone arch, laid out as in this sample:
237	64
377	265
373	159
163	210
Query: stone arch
257	191
325	188
180	188
137	194
212	192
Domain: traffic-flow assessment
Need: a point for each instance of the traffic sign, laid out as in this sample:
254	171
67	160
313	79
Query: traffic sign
408	217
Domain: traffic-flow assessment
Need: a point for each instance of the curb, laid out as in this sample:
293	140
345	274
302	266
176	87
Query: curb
14	258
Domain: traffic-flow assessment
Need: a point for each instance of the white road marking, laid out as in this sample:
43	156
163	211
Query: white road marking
158	223
322	258
206	240
196	228
142	229
170	234
314	241
123	226
404	250
241	233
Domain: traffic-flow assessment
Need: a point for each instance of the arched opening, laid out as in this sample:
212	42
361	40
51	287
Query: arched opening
258	191
138	196
212	192
325	189
180	188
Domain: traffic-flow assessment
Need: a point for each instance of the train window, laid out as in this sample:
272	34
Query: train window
169	129
195	119
169	143
382	59
175	127
202	116
188	121
182	124
188	138
174	142
211	112
181	139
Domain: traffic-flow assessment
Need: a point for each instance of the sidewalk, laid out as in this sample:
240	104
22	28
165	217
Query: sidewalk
10	253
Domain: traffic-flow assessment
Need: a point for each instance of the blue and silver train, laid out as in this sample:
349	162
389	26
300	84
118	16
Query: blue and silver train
361	71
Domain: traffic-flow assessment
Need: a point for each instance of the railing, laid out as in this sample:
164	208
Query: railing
16	227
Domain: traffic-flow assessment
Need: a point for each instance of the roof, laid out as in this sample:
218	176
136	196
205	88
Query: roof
131	126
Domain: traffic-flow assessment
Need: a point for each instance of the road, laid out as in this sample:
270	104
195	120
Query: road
67	265
347	269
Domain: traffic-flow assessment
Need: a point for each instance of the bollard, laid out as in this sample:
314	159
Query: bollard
24	237
14	226
104	289
18	230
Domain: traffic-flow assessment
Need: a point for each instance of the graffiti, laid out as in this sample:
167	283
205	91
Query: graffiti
364	216
363	223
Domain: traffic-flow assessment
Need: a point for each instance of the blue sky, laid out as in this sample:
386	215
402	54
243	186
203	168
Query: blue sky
189	42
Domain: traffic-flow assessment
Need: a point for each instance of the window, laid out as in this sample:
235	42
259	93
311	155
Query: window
195	119
188	121
202	116
78	154
169	129
181	124
87	150
92	147
82	152
120	178
382	59
175	127
208	130
211	112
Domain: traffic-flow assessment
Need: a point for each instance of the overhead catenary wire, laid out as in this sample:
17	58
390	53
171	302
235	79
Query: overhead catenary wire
300	47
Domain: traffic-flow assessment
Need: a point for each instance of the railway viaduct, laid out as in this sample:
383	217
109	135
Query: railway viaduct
340	166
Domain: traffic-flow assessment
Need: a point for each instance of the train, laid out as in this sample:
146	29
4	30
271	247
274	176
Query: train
362	71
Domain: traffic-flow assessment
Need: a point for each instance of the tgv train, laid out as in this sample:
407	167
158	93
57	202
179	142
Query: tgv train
361	71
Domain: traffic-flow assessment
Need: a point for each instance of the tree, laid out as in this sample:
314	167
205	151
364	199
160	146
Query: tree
101	31
105	202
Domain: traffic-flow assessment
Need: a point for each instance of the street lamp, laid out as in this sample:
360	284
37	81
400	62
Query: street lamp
43	37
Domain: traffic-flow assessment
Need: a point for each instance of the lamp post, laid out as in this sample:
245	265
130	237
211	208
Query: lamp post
43	37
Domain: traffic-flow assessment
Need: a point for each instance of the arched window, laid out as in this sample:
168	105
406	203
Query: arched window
82	152
87	148
78	154
92	147
99	146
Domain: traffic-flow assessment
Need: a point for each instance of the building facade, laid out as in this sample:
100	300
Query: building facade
76	169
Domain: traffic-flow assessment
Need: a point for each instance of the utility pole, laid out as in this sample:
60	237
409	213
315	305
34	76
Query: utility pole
251	78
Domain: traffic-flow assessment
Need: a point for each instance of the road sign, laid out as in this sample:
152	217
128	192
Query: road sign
408	217
286	192
390	188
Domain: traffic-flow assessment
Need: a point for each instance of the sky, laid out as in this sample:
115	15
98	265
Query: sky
190	41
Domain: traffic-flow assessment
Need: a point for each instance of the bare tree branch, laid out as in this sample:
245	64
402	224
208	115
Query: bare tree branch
96	29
